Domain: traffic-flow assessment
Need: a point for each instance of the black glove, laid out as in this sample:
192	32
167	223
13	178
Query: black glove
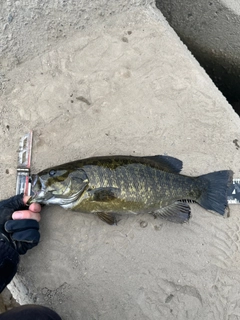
21	234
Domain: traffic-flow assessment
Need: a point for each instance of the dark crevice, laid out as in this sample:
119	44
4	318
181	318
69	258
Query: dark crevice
224	72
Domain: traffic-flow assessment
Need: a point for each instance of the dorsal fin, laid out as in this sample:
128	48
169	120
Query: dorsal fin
167	163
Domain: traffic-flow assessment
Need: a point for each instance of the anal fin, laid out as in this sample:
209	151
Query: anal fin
178	212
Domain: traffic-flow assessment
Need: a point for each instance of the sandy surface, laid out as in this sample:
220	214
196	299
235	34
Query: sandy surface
144	95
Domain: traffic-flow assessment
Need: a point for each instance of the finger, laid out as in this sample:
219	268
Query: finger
25	199
35	207
26	214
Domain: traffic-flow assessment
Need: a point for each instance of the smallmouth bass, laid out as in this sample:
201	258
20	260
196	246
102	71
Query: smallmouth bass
110	185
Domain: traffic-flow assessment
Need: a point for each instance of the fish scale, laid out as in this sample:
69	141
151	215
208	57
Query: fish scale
146	191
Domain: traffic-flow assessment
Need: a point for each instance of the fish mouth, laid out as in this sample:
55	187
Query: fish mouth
45	196
49	198
66	200
34	180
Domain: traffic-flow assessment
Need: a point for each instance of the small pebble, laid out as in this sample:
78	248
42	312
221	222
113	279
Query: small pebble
143	224
10	18
124	39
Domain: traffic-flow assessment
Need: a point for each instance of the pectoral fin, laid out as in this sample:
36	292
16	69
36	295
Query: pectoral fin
107	217
178	212
105	194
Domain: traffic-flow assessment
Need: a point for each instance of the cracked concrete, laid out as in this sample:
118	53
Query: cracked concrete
128	86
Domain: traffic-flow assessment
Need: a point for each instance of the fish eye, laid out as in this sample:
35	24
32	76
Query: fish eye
52	173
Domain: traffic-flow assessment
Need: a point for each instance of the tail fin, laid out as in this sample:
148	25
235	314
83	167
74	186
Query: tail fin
214	196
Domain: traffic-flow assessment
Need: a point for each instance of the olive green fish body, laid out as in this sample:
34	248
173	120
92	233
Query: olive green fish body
121	184
133	188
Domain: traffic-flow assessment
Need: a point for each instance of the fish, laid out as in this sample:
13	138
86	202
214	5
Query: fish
111	185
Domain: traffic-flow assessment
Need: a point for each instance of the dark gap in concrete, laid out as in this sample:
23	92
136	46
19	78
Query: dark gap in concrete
224	73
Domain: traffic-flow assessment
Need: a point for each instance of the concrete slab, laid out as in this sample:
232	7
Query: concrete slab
30	27
144	94
210	29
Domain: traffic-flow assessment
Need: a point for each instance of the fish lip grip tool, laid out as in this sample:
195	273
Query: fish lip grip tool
23	184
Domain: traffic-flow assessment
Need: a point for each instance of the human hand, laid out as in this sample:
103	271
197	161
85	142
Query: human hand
19	223
32	212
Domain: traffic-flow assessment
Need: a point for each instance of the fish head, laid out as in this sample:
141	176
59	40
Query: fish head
59	185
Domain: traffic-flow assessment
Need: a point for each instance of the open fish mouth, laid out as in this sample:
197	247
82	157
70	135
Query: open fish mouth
48	197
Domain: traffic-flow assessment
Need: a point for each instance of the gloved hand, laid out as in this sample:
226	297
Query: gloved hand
22	234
